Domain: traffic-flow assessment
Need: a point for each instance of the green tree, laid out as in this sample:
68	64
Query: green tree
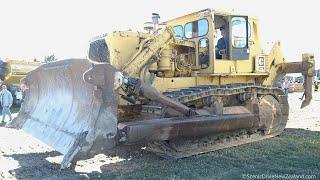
50	58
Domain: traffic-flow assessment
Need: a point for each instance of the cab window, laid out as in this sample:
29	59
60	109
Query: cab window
204	53
239	32
196	28
178	32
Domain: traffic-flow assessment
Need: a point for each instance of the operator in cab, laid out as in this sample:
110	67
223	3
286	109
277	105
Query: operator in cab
222	45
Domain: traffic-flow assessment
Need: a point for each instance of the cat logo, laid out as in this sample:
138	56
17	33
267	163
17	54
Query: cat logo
261	64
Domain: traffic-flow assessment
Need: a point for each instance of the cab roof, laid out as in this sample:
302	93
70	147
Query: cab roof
209	11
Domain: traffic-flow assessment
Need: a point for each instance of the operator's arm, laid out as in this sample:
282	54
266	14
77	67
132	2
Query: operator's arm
221	45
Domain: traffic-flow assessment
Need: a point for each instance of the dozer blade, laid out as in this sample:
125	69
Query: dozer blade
74	117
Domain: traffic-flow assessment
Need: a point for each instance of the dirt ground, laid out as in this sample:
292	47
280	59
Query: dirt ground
295	153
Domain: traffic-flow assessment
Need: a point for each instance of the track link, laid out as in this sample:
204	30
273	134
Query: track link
188	147
180	148
204	93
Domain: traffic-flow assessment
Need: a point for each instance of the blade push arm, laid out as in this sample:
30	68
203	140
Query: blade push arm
108	79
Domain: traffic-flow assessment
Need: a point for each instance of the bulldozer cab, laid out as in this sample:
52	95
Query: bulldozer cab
223	41
231	37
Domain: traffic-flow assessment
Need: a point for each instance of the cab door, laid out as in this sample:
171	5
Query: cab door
239	44
239	38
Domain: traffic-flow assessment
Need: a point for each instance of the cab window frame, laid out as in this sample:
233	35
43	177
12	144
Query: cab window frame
192	37
208	51
249	30
182	28
247	33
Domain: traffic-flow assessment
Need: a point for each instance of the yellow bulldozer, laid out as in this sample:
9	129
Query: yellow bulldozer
11	72
186	86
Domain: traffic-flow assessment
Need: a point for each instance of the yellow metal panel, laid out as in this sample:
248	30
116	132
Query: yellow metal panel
274	58
164	84
236	79
223	66
189	17
13	79
17	69
122	46
244	66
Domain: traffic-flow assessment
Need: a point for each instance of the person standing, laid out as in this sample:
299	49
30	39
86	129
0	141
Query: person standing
285	86
6	102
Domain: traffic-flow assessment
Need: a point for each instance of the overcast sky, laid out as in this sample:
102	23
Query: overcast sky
37	28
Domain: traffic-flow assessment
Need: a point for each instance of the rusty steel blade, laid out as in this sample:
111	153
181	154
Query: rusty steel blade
308	82
66	112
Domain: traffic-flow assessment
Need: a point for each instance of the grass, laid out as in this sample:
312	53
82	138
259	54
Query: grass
296	151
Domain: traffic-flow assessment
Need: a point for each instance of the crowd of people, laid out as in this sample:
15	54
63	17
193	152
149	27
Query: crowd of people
286	85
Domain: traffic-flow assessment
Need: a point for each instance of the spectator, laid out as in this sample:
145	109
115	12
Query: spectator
18	95
285	86
6	102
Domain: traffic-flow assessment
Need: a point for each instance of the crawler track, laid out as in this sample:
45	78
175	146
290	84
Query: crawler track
273	114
